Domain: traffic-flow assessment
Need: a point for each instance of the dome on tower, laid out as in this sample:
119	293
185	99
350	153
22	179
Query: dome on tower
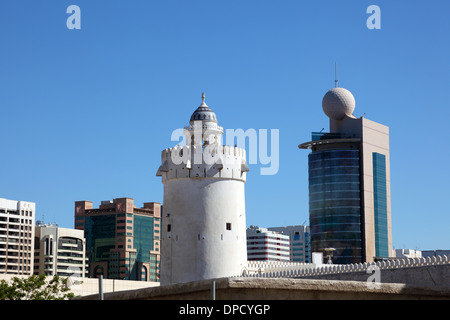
338	103
204	113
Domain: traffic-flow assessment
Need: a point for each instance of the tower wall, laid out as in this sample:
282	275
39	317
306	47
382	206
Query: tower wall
203	225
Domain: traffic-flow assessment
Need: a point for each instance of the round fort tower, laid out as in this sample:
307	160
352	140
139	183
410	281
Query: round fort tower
203	224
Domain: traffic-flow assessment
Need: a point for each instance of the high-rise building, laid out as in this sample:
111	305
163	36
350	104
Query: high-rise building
349	184
408	253
266	245
59	251
16	236
204	204
298	242
122	241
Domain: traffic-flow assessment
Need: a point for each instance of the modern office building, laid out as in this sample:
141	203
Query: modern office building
266	245
122	241
298	242
16	236
349	184
408	253
59	251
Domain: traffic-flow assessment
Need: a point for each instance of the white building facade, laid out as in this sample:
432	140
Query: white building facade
16	236
266	245
203	222
298	242
408	253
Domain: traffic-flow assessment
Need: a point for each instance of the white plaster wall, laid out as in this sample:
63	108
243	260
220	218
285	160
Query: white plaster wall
199	246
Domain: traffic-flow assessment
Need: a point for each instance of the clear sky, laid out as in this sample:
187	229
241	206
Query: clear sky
85	113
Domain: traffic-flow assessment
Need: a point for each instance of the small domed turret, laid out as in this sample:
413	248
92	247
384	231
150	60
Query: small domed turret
204	113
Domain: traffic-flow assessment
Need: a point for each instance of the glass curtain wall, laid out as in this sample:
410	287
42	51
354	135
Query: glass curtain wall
380	205
335	204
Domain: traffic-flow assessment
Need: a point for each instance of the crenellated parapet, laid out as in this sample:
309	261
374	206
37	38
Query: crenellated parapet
210	161
277	269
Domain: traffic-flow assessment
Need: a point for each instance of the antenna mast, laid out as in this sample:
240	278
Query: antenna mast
335	75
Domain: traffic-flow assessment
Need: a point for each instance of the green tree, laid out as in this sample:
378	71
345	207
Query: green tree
35	288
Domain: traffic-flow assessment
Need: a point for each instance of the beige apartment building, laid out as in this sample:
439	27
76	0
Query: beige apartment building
59	251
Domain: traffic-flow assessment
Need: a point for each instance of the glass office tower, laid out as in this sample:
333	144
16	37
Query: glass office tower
122	241
349	185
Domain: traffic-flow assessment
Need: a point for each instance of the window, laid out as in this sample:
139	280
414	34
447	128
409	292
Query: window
169	228
380	205
228	226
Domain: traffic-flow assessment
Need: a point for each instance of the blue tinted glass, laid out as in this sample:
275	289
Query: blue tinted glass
143	237
380	205
100	236
335	203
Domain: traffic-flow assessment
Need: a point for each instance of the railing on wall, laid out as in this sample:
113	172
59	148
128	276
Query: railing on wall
274	269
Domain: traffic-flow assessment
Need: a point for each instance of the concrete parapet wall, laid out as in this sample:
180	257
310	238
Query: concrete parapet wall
260	268
430	272
434	276
244	288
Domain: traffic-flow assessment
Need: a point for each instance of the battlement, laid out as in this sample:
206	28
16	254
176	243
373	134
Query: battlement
210	161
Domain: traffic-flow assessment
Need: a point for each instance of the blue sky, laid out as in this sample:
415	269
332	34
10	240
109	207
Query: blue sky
85	113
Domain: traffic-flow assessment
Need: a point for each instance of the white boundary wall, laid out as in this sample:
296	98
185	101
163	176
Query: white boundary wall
90	286
290	269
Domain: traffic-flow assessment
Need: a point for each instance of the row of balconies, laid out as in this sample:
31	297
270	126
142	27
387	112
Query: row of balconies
11	247
15	252
16	220
70	249
13	233
70	261
14	261
4	226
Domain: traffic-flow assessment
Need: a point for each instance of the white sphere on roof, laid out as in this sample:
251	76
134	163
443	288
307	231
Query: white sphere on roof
338	103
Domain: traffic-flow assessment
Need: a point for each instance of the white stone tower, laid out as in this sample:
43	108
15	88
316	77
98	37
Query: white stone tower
203	222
